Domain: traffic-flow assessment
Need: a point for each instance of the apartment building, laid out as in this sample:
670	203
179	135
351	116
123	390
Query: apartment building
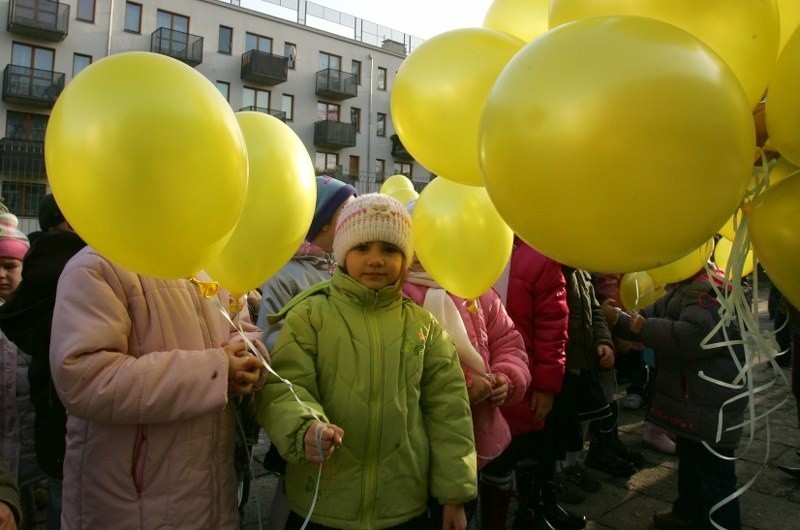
327	74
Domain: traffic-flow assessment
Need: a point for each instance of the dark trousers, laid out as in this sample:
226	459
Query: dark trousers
703	480
295	522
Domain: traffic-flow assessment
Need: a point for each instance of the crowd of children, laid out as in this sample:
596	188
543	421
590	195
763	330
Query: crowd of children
393	403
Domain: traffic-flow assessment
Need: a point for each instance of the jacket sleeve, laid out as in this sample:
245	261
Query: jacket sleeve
9	492
682	338
447	416
283	417
99	380
274	294
506	348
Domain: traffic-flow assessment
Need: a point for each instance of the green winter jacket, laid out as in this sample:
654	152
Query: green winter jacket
381	368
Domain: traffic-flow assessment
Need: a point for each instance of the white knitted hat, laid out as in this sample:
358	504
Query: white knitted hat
373	217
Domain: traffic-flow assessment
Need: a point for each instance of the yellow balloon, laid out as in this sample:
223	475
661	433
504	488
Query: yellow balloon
789	11
728	230
396	182
781	170
524	19
722	257
684	267
278	210
774	222
783	105
563	147
438	97
744	33
460	238
637	290
147	163
404	195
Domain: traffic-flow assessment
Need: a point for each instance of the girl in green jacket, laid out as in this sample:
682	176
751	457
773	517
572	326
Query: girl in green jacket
377	400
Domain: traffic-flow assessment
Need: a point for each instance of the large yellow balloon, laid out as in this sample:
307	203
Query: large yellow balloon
789	11
277	211
404	195
745	33
774	222
396	182
684	267
610	114
147	163
783	104
781	170
438	97
637	290
524	19
460	238
722	257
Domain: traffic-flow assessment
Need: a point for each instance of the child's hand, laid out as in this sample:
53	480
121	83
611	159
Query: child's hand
541	404
453	517
610	311
605	356
480	390
499	390
244	369
636	323
329	436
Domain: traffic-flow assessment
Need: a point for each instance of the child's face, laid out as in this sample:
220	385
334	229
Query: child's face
10	276
375	264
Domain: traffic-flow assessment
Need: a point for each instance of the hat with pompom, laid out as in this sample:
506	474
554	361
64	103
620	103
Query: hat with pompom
373	217
13	243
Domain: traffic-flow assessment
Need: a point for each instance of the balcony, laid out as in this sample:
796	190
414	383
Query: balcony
185	47
281	115
31	86
399	151
335	84
334	134
264	68
40	19
23	158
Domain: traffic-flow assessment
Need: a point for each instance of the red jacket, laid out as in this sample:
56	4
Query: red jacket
537	303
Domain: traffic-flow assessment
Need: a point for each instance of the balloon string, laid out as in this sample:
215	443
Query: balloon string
204	288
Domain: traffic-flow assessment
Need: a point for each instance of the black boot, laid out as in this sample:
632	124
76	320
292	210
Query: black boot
530	514
556	516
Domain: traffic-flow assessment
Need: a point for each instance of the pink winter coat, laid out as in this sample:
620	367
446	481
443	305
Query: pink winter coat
494	337
537	303
139	367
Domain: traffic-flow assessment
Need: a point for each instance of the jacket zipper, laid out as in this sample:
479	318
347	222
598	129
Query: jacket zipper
139	457
375	398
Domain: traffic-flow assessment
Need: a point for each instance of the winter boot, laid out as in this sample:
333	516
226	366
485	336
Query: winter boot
495	494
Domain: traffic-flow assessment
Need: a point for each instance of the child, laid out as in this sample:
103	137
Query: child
690	405
385	380
494	362
146	368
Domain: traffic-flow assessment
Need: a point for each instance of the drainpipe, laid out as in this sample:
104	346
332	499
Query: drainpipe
369	116
110	27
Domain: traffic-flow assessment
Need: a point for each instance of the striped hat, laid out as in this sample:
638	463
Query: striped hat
13	243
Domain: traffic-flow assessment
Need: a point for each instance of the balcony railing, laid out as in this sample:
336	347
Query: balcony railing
399	151
185	47
41	19
264	68
335	84
334	134
281	115
31	86
24	158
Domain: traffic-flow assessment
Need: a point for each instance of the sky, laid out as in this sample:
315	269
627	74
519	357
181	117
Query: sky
420	18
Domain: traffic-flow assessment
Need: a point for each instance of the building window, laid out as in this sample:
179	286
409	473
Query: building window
380	126
22	198
355	166
326	162
257	42
225	89
32	57
35	75
327	111
403	168
290	52
255	98
355	118
381	78
85	10
356	71
133	17
327	60
380	169
79	62
287	106
165	19
25	126
225	40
